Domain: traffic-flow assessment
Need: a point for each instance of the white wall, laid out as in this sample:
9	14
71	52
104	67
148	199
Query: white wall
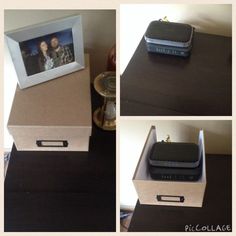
99	30
134	19
218	140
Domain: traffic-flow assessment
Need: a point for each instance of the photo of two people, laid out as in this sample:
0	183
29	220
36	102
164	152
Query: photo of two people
47	52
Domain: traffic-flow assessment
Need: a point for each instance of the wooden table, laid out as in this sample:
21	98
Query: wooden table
216	210
63	191
154	84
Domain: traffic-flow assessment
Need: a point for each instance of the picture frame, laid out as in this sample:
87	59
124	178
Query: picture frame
46	51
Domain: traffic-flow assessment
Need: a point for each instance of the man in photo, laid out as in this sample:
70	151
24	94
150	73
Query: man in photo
61	54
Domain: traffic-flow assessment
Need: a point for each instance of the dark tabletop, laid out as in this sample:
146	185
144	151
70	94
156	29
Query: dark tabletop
216	210
63	191
155	84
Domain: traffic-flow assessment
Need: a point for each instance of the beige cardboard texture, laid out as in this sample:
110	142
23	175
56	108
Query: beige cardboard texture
59	109
148	189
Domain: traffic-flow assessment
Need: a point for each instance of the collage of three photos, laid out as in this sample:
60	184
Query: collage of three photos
171	136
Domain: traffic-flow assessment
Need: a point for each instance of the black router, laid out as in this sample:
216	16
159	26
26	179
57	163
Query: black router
176	174
169	38
175	161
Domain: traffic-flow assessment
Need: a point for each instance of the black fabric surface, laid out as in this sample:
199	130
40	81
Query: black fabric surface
216	210
169	31
63	191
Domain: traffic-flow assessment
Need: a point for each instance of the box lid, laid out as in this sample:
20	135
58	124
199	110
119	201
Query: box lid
65	101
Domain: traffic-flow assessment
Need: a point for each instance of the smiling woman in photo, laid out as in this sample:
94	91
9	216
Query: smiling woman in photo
44	59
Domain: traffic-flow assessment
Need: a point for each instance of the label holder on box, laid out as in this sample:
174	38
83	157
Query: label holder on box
170	198
52	143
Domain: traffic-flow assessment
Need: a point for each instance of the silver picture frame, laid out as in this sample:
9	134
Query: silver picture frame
15	37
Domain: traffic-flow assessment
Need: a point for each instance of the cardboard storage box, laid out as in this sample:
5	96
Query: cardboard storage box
55	115
174	193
